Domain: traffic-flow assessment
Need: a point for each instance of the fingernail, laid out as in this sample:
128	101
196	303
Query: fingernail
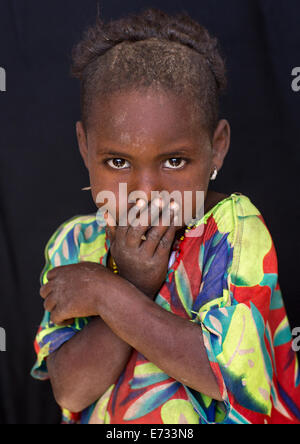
174	206
140	203
158	201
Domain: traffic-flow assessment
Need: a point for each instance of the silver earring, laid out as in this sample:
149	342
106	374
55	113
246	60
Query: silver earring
86	189
214	174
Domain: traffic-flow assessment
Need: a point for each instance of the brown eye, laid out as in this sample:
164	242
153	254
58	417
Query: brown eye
118	164
174	163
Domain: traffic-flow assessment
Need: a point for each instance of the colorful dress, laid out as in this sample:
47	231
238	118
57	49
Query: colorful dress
224	278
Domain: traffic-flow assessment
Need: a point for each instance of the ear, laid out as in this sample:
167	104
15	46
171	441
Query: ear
221	143
82	142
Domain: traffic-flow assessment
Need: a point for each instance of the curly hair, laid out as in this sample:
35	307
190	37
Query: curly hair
151	49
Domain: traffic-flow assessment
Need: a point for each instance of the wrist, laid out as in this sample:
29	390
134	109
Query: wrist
108	291
103	289
146	290
118	292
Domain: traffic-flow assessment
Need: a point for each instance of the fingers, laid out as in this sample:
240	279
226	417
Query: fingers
142	214
166	241
52	300
45	290
160	238
56	316
56	319
50	303
149	215
66	323
49	300
51	274
54	272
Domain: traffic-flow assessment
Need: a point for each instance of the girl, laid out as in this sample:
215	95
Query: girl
174	324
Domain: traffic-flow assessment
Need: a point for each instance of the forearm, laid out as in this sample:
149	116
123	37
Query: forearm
87	365
174	344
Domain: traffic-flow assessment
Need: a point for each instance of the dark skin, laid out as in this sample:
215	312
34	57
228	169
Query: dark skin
145	131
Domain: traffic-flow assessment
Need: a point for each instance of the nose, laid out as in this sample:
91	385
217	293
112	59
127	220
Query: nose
145	182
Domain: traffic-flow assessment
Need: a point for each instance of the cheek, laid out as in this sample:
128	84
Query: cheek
108	195
105	190
192	204
196	178
193	190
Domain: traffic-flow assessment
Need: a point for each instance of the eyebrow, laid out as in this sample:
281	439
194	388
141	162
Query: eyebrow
180	151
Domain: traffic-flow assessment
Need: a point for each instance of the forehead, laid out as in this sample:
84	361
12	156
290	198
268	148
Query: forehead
149	115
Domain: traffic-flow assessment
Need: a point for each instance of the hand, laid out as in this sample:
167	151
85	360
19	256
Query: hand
144	263
72	291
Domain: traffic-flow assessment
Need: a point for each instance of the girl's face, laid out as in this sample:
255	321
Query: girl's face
152	142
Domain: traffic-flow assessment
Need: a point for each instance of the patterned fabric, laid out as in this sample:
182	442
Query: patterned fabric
226	281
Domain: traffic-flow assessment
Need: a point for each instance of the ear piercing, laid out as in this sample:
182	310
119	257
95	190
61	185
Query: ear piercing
214	174
86	189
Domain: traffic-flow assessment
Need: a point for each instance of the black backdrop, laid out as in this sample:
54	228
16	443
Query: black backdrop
41	173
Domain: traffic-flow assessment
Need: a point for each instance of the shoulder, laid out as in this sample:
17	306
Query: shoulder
231	213
236	219
253	249
228	208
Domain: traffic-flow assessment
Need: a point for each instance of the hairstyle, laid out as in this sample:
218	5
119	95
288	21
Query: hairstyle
151	49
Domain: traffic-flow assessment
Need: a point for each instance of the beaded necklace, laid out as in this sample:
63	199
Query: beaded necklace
115	267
